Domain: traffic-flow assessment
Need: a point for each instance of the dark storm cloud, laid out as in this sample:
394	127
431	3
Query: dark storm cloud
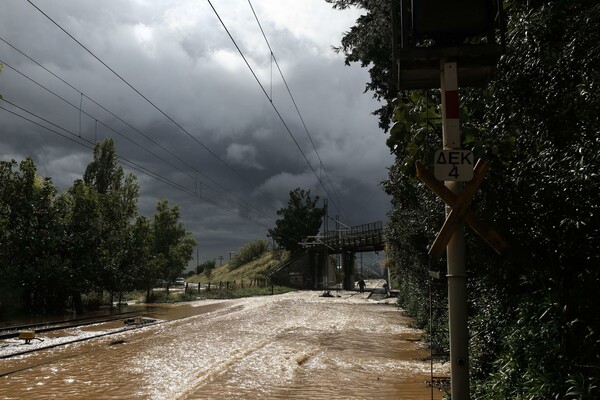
235	150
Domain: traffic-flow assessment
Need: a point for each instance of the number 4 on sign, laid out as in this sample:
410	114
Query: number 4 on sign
454	172
460	209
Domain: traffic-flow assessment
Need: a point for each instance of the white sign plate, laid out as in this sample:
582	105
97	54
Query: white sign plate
453	165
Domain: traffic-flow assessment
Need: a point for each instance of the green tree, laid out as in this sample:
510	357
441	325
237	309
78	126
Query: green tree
537	121
31	238
141	263
173	245
117	201
206	266
301	218
84	239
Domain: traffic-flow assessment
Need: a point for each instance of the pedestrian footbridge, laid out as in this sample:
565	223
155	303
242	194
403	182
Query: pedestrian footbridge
313	268
355	239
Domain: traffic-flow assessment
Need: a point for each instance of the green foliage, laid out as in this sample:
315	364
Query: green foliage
31	238
104	204
535	331
250	252
206	266
545	195
301	218
172	243
54	249
163	296
143	265
415	133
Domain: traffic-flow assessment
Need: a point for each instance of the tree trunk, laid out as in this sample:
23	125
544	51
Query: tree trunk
77	302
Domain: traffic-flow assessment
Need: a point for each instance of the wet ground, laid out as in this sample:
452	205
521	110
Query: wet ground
292	346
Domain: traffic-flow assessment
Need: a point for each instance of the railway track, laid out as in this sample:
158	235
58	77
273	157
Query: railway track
45	344
13	331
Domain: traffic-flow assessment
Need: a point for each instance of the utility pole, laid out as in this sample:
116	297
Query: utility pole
429	40
455	250
220	260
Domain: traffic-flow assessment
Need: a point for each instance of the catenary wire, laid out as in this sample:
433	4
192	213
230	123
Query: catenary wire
160	110
177	124
268	97
131	164
338	206
228	194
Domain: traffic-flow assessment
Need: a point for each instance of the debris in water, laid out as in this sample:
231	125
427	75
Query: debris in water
302	359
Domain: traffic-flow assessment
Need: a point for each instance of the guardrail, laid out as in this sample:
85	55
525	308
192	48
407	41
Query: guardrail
366	236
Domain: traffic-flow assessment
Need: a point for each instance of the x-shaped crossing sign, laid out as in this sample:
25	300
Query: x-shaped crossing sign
460	209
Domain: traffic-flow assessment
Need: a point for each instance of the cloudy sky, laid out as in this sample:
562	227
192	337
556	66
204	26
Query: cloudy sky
186	111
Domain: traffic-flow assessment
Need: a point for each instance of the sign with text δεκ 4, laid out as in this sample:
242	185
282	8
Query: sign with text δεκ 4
453	165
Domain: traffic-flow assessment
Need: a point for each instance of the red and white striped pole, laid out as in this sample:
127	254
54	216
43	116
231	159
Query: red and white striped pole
457	277
450	106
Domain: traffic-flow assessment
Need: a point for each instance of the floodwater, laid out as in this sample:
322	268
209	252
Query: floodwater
292	346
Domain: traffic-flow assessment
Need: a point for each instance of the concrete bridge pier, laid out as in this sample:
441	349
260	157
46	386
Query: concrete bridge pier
348	269
319	270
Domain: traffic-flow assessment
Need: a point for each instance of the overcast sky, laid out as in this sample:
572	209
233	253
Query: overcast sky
214	134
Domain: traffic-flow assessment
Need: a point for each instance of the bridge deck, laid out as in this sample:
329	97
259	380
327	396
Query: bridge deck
357	239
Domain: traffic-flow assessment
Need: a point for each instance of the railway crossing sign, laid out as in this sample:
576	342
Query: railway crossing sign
453	165
460	209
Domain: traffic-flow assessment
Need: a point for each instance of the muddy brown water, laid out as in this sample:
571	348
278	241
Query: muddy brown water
291	346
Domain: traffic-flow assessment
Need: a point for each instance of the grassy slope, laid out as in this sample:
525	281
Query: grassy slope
257	269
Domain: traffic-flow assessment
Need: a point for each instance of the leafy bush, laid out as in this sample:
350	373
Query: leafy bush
248	253
533	312
173	297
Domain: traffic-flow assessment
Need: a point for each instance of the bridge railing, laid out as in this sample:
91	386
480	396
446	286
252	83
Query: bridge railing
355	236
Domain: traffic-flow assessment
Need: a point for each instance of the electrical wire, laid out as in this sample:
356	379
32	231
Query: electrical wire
160	110
231	196
267	95
338	206
125	161
187	132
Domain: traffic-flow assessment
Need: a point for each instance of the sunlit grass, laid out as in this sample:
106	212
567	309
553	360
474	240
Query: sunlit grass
257	269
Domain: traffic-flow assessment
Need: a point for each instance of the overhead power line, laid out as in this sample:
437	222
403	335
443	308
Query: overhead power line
337	203
270	98
232	196
228	194
160	110
74	137
319	179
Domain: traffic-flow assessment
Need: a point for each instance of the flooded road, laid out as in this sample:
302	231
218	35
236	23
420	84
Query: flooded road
292	346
